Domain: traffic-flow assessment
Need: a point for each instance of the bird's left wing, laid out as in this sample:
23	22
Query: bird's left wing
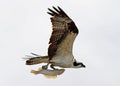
63	34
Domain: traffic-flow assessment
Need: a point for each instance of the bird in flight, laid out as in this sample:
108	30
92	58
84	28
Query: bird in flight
64	32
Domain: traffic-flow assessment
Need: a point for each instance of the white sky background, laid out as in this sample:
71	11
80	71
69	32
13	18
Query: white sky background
25	27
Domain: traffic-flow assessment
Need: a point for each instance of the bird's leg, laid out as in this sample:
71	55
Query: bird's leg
45	67
52	66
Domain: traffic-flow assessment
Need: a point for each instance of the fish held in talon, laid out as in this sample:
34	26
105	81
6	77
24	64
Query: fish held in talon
48	73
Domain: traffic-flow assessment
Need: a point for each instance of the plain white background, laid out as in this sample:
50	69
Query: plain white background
25	27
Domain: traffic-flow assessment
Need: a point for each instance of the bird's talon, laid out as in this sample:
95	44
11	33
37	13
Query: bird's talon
44	67
52	66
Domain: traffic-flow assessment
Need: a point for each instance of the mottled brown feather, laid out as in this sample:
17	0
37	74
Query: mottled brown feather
61	25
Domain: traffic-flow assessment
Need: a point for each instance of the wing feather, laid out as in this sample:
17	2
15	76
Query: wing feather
62	25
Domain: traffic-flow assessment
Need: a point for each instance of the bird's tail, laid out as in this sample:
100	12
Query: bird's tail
37	60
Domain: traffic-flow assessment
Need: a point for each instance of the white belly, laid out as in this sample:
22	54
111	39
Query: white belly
62	61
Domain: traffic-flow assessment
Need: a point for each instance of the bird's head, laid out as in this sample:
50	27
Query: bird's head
78	64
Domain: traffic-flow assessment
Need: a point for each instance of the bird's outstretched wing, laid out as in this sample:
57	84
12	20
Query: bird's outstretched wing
63	34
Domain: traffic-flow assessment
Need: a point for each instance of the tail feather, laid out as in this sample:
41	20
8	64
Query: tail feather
37	60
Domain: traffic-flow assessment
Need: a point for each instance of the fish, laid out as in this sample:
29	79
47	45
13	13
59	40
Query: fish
48	73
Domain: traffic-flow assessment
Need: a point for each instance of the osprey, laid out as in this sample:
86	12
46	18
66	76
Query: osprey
64	32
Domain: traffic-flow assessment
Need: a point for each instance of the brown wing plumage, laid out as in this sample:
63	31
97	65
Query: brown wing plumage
62	25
